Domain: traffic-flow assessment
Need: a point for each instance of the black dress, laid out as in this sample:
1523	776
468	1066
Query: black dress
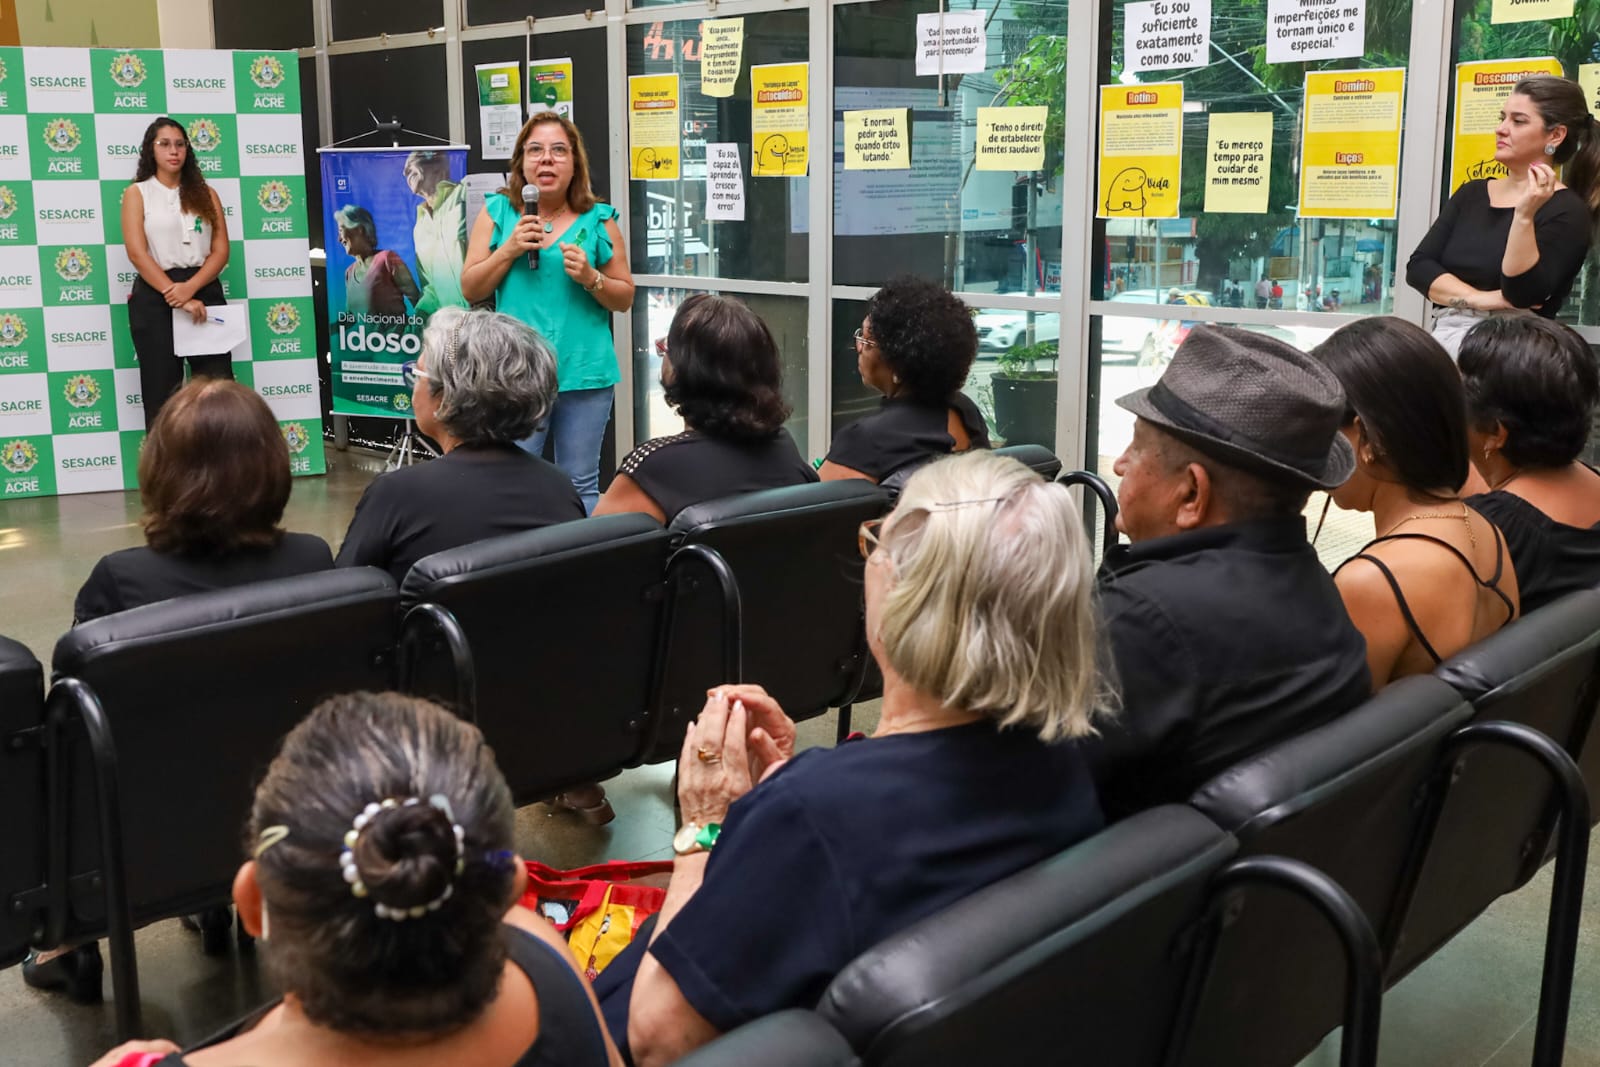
690	468
905	433
1550	558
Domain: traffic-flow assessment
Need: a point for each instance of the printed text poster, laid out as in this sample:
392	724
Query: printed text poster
1481	91
1301	31
499	108
780	98
550	87
1141	150
721	55
1239	162
1350	147
1530	10
1010	138
653	127
1167	35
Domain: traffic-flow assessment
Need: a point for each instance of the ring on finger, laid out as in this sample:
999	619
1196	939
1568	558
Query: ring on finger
705	755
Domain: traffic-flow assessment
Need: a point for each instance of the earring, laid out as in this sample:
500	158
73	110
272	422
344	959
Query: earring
1549	149
897	379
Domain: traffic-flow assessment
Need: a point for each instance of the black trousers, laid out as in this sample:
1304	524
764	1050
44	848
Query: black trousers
150	323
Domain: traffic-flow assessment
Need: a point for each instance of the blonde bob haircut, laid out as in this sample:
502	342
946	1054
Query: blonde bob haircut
990	599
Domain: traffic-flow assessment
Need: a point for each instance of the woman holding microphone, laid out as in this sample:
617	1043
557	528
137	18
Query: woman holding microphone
1516	241
177	239
552	256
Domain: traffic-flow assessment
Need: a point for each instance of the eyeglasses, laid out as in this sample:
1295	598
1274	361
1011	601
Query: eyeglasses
164	145
410	372
557	152
863	339
867	537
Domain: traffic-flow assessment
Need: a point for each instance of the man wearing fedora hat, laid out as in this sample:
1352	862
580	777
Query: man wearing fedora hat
1226	632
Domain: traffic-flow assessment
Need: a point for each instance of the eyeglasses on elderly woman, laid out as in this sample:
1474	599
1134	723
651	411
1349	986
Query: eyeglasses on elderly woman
410	372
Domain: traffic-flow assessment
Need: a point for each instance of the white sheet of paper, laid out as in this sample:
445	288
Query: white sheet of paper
1176	37
223	331
964	42
724	183
1302	31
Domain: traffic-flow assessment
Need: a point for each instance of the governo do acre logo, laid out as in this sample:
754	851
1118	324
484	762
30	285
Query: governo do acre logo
73	264
402	402
296	437
283	318
18	456
8	202
274	197
204	135
62	135
266	72
82	391
128	70
13	331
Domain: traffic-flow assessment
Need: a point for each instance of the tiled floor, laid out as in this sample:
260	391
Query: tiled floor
1471	1005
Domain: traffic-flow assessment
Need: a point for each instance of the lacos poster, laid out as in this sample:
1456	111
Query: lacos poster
71	122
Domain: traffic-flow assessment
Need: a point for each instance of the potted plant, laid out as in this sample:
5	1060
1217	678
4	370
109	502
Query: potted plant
1025	394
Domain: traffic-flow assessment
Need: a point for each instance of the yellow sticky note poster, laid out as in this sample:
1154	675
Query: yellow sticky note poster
1589	78
653	127
721	54
1529	10
780	98
878	139
1141	150
1481	91
1010	138
1238	162
1350	143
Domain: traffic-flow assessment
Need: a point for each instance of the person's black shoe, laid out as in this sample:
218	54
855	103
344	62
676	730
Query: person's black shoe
76	972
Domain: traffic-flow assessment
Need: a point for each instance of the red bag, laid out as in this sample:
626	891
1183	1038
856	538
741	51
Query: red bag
599	908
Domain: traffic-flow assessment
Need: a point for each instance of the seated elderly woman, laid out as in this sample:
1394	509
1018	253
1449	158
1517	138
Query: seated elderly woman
1437	577
915	346
483	381
721	373
382	883
790	866
1532	387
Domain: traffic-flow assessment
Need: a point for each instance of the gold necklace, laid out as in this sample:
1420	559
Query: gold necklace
1465	518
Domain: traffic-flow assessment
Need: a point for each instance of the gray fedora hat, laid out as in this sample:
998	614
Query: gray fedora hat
1254	402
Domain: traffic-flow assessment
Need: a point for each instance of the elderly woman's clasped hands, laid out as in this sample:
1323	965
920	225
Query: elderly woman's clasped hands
741	736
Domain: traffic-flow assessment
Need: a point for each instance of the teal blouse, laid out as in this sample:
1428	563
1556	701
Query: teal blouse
574	323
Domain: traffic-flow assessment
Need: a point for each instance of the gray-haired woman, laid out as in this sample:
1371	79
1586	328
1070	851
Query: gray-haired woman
482	382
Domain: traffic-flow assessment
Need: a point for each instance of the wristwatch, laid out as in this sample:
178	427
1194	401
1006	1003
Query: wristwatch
599	283
692	837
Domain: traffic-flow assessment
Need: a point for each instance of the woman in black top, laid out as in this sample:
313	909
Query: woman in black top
915	346
1519	240
1436	578
722	375
381	866
1532	387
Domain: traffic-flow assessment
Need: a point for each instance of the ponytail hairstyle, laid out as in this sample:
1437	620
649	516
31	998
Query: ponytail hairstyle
382	835
193	192
1561	102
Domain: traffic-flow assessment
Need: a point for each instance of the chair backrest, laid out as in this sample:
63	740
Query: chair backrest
788	1039
22	796
1079	958
1498	816
1044	462
793	553
562	623
197	693
1344	798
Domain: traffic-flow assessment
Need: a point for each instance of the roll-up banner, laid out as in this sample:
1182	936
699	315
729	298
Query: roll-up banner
396	220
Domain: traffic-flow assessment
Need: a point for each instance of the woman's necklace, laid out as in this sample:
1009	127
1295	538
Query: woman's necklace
1507	480
550	223
1465	518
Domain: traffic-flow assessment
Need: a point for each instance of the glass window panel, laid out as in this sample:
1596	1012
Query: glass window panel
404	83
354	19
669	233
484	12
1016	394
975	231
653	308
1321	264
252	26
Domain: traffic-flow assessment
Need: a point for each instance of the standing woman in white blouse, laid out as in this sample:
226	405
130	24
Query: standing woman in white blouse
177	239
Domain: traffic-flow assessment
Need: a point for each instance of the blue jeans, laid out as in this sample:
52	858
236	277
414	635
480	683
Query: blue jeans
578	422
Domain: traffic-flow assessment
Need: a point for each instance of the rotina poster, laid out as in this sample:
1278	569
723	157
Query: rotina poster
550	87
653	128
1141	150
71	121
1481	91
1350	144
780	98
396	219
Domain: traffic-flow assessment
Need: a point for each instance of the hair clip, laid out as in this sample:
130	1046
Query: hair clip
270	835
347	858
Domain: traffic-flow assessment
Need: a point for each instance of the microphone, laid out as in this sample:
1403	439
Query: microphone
530	206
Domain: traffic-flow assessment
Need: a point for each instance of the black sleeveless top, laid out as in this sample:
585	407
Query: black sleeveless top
1493	584
569	1030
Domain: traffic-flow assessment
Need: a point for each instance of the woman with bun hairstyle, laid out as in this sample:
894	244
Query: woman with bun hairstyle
177	239
381	881
1516	241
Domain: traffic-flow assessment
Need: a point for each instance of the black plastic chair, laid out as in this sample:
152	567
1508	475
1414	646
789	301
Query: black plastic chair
765	587
1346	799
185	703
23	895
547	640
788	1039
1108	503
1044	462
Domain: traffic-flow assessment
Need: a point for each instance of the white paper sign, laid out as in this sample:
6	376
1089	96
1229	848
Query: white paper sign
951	42
479	186
1167	35
724	183
222	331
1299	31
